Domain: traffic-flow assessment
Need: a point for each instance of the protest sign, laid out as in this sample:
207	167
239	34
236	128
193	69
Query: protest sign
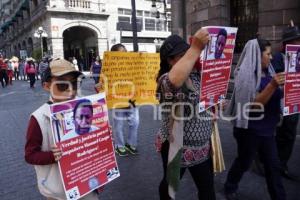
216	61
292	80
129	76
80	128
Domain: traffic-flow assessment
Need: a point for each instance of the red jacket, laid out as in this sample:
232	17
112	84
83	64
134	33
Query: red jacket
30	69
3	65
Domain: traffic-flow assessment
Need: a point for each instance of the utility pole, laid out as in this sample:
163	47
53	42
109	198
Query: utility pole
134	27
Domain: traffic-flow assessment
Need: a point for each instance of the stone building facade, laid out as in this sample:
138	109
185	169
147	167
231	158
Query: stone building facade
264	17
79	28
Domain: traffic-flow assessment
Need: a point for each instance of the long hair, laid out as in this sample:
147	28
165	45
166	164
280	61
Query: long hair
164	68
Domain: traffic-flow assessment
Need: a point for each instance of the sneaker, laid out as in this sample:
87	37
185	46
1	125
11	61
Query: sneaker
121	151
131	149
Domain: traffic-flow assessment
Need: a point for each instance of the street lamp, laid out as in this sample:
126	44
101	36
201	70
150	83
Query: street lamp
41	33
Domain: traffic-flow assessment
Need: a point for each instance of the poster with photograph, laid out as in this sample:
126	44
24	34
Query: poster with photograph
292	80
81	129
216	61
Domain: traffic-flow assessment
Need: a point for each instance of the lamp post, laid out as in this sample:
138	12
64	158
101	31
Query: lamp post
134	27
40	33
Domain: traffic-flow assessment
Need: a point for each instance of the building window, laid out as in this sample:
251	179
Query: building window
244	15
139	21
160	25
123	11
147	14
124	19
120	11
139	13
150	24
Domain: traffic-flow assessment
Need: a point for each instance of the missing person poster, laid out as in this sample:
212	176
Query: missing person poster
129	76
292	80
216	61
80	128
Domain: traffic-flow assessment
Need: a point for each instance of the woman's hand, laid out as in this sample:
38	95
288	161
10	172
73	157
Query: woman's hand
278	79
200	39
57	152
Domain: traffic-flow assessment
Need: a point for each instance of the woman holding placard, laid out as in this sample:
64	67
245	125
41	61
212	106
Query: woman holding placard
184	138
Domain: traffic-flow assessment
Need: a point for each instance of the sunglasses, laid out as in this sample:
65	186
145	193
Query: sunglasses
63	86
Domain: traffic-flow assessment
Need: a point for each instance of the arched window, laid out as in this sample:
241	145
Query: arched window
244	15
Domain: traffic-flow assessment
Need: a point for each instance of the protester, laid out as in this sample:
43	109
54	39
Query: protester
287	130
257	88
3	73
131	114
31	71
184	141
40	149
96	69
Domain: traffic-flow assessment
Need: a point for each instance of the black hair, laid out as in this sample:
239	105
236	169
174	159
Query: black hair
263	44
46	75
164	68
116	47
223	32
82	103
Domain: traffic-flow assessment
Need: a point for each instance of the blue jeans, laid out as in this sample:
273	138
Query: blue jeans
131	115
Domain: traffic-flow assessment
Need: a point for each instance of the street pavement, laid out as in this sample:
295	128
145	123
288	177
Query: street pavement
140	174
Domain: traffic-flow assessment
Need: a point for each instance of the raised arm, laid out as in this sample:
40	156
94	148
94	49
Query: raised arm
181	70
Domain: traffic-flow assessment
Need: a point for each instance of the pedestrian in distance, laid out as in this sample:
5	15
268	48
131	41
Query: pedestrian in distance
22	73
184	142
44	64
15	63
96	69
10	71
257	87
40	149
3	73
31	72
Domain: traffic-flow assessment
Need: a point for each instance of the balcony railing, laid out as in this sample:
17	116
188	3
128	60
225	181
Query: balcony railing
79	4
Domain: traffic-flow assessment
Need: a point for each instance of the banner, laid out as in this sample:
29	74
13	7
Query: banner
292	80
129	76
216	61
80	128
